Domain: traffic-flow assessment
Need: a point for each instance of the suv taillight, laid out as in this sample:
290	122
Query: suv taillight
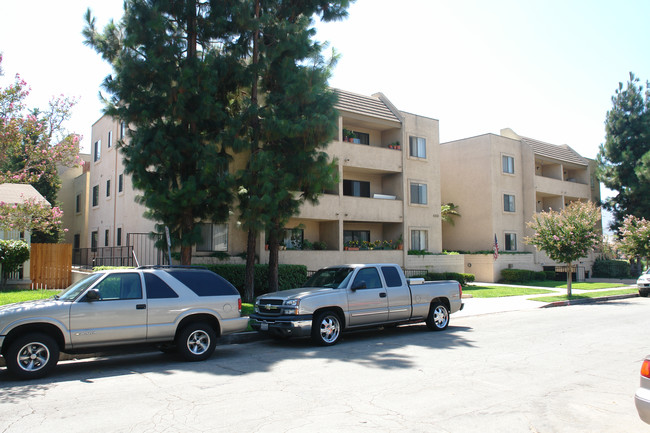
460	291
239	304
645	368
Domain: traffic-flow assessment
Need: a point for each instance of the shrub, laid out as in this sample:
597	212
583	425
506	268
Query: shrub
13	253
517	275
611	269
539	276
550	275
462	278
289	276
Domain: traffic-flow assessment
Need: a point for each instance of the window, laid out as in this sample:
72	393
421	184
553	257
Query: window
203	282
356	235
94	239
214	237
120	286
508	203
98	150
109	142
508	164
391	276
95	195
293	238
418	239
418	193
108	188
157	288
356	188
77	203
369	277
76	242
118	237
511	242
122	129
106	238
361	137
418	147
120	183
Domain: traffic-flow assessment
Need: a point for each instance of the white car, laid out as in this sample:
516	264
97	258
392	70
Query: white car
643	283
642	396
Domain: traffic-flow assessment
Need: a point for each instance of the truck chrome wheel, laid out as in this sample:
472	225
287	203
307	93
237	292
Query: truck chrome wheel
326	328
438	318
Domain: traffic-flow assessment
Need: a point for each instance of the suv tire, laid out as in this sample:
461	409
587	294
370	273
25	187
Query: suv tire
196	342
32	356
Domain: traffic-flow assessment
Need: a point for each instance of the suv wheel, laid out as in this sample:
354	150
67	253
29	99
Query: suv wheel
196	342
32	356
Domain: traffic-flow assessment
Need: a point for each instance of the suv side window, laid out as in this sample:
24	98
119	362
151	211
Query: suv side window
120	286
203	282
391	276
157	288
370	276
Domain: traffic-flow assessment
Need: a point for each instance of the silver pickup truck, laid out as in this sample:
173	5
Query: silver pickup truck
345	297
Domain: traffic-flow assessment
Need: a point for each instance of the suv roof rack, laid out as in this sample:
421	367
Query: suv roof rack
171	267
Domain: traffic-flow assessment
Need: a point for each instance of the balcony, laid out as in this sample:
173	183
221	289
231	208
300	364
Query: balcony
371	209
367	157
548	185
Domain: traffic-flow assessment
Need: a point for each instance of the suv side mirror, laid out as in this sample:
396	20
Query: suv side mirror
92	295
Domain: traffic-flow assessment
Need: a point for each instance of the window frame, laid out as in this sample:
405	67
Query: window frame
120	183
204	247
421	234
510	238
108	188
417	200
95	193
417	147
507	166
509	203
109	141
349	186
97	150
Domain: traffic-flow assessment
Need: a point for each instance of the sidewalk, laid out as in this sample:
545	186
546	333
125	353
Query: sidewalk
477	306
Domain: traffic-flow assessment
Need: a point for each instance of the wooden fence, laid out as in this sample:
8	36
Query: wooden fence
51	265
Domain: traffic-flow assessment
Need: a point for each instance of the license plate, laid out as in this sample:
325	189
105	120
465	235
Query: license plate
264	326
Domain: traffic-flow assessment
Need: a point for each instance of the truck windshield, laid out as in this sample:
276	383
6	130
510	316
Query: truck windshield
77	288
333	277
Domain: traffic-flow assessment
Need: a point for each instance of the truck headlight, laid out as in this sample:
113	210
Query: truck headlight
293	304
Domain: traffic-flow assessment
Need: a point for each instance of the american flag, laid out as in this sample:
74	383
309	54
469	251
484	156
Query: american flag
496	247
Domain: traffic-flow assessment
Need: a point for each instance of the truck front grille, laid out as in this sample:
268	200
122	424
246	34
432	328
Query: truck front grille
271	307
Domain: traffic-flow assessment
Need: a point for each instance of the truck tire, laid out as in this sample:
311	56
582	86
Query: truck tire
326	328
196	342
438	318
32	356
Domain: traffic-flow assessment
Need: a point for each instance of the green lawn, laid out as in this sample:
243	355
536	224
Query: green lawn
585	295
580	286
498	292
11	296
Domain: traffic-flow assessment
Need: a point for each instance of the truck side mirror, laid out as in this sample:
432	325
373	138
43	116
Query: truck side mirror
361	285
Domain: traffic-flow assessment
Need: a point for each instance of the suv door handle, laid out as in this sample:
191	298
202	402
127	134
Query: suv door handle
382	295
141	306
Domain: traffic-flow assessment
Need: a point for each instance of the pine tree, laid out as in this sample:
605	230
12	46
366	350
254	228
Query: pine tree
174	87
624	158
291	116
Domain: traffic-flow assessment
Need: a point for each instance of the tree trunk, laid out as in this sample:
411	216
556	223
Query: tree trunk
249	283
186	255
569	277
274	245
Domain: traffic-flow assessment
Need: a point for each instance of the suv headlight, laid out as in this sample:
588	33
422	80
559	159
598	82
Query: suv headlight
293	306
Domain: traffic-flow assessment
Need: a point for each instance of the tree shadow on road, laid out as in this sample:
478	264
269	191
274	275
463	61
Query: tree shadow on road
382	349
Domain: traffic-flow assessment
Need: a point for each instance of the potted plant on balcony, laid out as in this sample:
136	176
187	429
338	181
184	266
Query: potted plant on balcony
348	135
400	243
352	246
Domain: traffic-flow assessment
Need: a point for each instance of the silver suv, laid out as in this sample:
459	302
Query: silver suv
175	308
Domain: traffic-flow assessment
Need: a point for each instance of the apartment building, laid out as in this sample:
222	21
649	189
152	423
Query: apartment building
498	183
389	166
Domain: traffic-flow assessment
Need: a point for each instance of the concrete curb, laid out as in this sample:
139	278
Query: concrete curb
589	300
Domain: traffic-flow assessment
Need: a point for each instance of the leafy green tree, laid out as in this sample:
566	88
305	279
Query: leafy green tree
174	85
291	119
13	253
624	158
566	235
634	237
32	143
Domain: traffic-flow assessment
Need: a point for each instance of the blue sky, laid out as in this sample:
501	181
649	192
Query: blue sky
545	69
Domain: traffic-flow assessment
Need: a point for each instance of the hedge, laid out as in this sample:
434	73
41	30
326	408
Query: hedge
523	275
611	269
463	278
289	276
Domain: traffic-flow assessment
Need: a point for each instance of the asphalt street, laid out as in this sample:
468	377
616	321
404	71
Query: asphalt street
566	369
